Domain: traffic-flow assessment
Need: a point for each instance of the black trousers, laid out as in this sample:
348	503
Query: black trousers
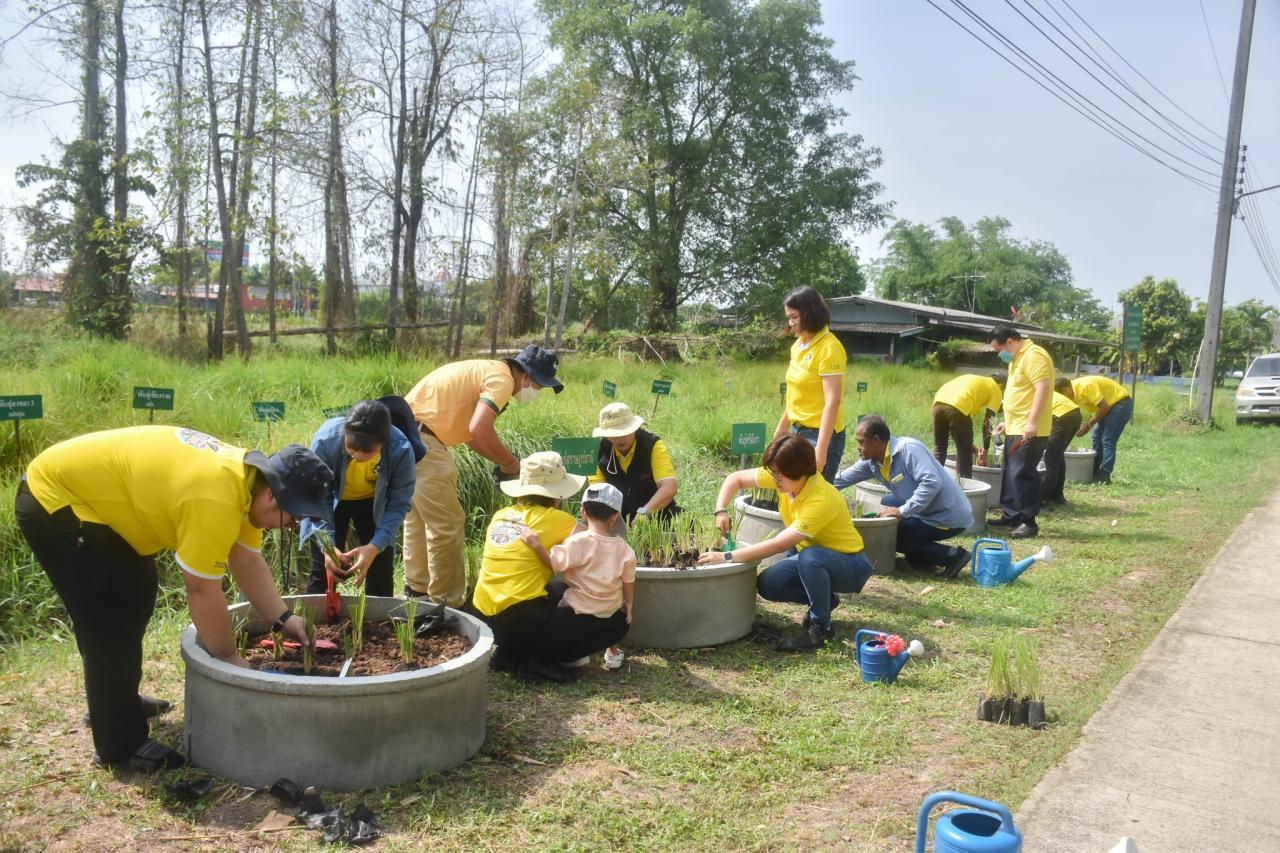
949	422
1020	481
1055	463
358	513
540	628
109	591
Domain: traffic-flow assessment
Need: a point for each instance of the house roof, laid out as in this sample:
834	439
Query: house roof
951	318
902	330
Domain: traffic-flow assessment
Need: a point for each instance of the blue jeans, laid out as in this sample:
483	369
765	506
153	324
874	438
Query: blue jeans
1105	435
811	576
835	450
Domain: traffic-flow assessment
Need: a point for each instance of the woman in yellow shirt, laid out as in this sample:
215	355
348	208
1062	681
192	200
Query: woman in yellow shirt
825	550
511	591
815	380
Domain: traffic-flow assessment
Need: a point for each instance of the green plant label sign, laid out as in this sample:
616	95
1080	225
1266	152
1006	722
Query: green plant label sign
747	438
268	411
152	398
331	412
782	389
862	387
1132	328
24	407
610	390
661	386
578	454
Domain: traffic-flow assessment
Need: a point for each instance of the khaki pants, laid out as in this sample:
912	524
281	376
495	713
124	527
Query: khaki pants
434	529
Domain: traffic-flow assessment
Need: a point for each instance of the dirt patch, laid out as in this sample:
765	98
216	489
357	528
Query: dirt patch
379	653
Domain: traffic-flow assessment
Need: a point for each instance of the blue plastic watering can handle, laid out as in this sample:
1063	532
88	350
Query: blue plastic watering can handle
931	802
857	642
986	540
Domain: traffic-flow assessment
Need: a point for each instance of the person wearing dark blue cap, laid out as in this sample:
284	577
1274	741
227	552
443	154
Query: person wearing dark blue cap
458	403
96	509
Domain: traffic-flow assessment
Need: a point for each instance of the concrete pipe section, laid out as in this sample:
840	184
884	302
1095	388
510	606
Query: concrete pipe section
339	734
755	525
691	608
879	542
1079	468
978	494
988	475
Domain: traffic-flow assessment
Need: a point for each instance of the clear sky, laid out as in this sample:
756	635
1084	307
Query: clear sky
964	134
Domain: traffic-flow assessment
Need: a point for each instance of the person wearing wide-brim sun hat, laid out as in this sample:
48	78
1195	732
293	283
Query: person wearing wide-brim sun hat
635	462
511	591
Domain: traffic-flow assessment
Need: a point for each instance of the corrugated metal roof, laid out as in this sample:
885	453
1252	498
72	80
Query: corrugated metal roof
956	319
902	330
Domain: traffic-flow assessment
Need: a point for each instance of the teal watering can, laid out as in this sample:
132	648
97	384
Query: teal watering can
993	562
875	662
990	830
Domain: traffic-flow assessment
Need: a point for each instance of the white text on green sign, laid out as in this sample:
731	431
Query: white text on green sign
578	454
862	387
747	438
661	386
610	390
268	411
24	407
152	398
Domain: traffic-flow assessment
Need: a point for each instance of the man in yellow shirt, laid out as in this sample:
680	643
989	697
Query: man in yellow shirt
635	462
1110	409
95	510
1028	417
1066	420
459	403
954	407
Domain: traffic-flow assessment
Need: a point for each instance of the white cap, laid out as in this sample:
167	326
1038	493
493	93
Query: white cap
603	493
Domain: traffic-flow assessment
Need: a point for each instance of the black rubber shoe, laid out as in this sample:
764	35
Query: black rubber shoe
151	757
151	707
813	638
1024	531
956	564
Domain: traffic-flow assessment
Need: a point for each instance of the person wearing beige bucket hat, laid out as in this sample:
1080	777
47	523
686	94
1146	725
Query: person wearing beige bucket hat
511	591
635	462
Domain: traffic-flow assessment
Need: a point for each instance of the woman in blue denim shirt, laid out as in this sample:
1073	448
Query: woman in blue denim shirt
373	465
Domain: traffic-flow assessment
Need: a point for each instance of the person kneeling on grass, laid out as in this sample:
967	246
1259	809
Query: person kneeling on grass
599	583
96	509
824	549
928	502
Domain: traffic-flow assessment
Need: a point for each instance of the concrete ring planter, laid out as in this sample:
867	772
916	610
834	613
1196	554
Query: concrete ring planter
691	608
1079	467
879	542
756	525
337	734
978	494
990	476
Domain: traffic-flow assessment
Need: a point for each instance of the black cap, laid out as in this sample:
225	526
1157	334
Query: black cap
300	481
540	365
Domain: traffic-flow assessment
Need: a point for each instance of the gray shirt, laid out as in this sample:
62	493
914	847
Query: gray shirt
921	487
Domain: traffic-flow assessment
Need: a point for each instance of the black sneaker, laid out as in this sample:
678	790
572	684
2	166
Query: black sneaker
1024	531
835	602
813	638
955	565
532	669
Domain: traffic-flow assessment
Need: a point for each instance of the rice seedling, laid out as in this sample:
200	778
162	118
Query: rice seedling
356	614
404	629
309	649
1026	670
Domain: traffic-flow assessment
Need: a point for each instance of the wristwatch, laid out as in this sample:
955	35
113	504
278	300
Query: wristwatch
278	625
644	510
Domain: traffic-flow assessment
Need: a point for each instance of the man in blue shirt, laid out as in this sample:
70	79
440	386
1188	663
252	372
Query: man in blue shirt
927	501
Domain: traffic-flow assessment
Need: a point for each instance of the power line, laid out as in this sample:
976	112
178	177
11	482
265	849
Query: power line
1216	64
1193	149
1078	109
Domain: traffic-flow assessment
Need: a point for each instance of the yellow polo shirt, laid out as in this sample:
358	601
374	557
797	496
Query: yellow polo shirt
1032	364
818	512
823	355
509	570
446	397
659	463
1092	389
970	394
360	480
1062	405
158	487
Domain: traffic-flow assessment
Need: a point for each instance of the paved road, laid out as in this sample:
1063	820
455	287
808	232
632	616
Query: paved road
1185	754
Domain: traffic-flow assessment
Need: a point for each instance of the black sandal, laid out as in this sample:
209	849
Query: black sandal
153	756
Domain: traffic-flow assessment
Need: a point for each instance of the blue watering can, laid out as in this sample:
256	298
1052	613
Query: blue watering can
875	663
965	831
993	562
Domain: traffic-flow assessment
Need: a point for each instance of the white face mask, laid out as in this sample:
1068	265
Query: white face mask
527	394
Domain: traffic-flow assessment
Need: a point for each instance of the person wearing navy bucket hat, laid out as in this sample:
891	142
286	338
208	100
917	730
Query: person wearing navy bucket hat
459	403
96	509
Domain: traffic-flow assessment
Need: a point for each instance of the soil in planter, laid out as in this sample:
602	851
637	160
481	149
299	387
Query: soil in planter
379	653
680	560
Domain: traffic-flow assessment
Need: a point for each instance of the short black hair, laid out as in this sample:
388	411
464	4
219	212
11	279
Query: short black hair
598	511
1062	383
1004	332
874	426
813	310
367	427
1000	379
791	455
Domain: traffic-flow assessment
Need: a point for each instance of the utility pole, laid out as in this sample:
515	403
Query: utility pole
966	278
1226	208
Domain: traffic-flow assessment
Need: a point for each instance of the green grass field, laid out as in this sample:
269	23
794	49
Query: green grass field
733	747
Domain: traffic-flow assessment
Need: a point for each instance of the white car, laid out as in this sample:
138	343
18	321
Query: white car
1258	397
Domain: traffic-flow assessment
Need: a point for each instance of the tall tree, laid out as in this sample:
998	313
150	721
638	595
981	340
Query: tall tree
1167	331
